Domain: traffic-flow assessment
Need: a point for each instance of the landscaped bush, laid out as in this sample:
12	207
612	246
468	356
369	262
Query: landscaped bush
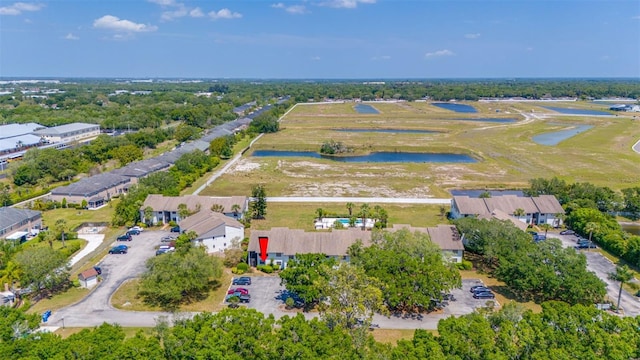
242	267
267	269
465	265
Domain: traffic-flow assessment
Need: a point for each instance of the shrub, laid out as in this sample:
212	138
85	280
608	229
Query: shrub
267	269
465	265
289	302
242	267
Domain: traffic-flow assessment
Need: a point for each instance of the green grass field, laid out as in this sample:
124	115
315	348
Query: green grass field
507	156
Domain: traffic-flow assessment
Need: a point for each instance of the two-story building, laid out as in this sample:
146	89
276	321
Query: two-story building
74	132
166	208
538	210
215	231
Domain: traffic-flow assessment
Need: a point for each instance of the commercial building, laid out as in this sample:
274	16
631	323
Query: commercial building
96	190
74	132
17	224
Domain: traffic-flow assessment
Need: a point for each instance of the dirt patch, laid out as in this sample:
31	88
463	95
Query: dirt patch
244	165
346	189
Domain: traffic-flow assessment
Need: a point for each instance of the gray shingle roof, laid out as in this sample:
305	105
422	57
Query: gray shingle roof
142	168
207	223
11	216
170	203
545	204
92	185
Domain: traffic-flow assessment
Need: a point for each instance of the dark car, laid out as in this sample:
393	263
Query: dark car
587	245
120	249
133	232
478	288
125	237
243	280
97	269
238	291
567	232
484	295
175	229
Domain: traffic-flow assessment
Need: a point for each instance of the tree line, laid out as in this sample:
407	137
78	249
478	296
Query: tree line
560	331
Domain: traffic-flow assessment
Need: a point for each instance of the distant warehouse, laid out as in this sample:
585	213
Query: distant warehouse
69	132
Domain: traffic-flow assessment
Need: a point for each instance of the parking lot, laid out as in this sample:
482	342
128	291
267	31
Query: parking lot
268	297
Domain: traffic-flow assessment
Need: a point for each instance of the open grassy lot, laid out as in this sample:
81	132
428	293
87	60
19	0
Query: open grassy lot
126	297
503	295
507	156
301	215
392	336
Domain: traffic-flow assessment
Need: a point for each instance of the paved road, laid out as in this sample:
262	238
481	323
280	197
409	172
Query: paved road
636	147
96	308
378	200
603	267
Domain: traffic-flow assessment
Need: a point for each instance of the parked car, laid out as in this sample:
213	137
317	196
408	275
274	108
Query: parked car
137	228
484	295
124	237
243	280
238	291
120	249
567	232
588	245
163	251
479	288
537	238
175	229
243	298
98	270
167	238
133	232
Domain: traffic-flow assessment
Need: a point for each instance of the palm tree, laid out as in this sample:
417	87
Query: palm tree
320	213
148	214
61	226
217	208
350	207
546	227
519	212
183	211
364	213
590	227
236	210
623	275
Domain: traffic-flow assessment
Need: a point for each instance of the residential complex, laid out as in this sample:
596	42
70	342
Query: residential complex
543	209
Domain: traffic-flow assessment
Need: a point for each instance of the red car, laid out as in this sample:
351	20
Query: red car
238	291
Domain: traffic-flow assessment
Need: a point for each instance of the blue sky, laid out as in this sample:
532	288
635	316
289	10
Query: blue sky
320	39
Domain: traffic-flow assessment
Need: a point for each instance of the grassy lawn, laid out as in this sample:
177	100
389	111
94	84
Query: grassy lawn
126	297
503	295
301	215
391	336
128	331
59	301
507	156
75	217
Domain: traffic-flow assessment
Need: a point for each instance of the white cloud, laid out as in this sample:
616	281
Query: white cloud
20	7
439	53
163	2
70	36
529	48
345	4
196	13
293	9
111	22
383	57
315	58
224	14
472	36
178	13
636	17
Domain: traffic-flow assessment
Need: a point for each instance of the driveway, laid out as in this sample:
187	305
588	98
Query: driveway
96	308
602	267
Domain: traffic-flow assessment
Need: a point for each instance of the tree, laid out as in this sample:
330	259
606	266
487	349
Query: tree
177	277
302	273
236	210
400	260
148	215
591	227
622	274
42	268
217	208
320	213
519	212
183	211
350	207
443	211
364	213
350	297
61	227
258	202
220	147
485	195
126	154
546	227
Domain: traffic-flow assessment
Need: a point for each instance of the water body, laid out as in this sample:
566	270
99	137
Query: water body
577	111
476	193
634	229
554	138
391	131
493	120
366	109
459	108
377	157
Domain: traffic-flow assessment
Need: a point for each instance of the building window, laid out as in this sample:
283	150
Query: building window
291	257
278	254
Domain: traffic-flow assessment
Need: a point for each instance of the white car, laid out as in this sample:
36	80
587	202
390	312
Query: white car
139	228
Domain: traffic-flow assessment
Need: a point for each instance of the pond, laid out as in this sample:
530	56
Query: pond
493	120
459	108
476	193
376	157
554	138
576	111
631	228
366	109
391	131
